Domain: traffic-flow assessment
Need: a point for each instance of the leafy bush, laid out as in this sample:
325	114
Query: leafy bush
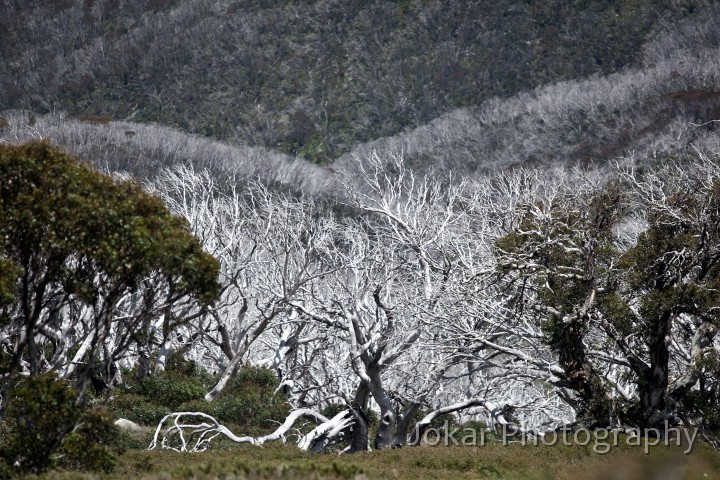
133	440
56	210
90	445
172	389
43	412
198	406
477	425
250	401
137	408
179	364
704	402
333	409
147	400
261	378
480	428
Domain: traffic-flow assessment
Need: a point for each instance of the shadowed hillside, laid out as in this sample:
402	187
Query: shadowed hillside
667	106
310	79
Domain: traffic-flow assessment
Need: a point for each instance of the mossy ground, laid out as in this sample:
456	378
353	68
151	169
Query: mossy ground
277	461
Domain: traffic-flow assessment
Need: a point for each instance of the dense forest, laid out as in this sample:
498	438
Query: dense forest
310	79
349	223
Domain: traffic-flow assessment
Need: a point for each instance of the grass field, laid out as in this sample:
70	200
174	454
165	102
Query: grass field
492	461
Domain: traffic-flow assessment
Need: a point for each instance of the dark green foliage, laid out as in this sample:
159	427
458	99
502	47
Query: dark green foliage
171	389
179	364
674	269
8	274
147	400
71	234
55	206
618	312
133	440
481	430
250	401
566	259
664	284
335	408
43	412
137	408
254	378
91	444
46	427
703	403
8	278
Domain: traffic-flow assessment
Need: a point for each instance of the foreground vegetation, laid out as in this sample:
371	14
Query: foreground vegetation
95	451
492	461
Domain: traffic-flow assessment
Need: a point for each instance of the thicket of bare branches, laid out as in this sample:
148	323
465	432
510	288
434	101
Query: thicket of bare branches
539	299
521	297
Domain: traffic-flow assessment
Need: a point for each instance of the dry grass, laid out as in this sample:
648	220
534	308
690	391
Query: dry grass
493	461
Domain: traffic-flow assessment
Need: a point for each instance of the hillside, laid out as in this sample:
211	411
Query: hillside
665	107
310	79
142	150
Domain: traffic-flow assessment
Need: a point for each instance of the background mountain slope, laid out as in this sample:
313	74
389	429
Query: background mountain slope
311	79
666	106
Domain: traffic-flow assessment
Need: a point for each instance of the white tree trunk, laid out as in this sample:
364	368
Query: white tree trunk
185	426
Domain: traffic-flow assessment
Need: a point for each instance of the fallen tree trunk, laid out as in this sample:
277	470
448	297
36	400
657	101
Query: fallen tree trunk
193	431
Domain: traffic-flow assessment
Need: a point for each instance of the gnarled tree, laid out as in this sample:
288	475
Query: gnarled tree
95	264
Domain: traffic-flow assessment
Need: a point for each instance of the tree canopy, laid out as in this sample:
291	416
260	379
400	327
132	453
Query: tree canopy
85	258
624	279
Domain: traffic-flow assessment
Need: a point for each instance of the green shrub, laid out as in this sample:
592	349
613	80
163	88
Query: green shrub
43	412
253	377
147	400
91	444
172	389
333	409
705	405
133	440
5	470
197	406
480	428
136	408
181	382
250	401
179	364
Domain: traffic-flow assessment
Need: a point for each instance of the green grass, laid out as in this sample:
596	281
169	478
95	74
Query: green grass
492	461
